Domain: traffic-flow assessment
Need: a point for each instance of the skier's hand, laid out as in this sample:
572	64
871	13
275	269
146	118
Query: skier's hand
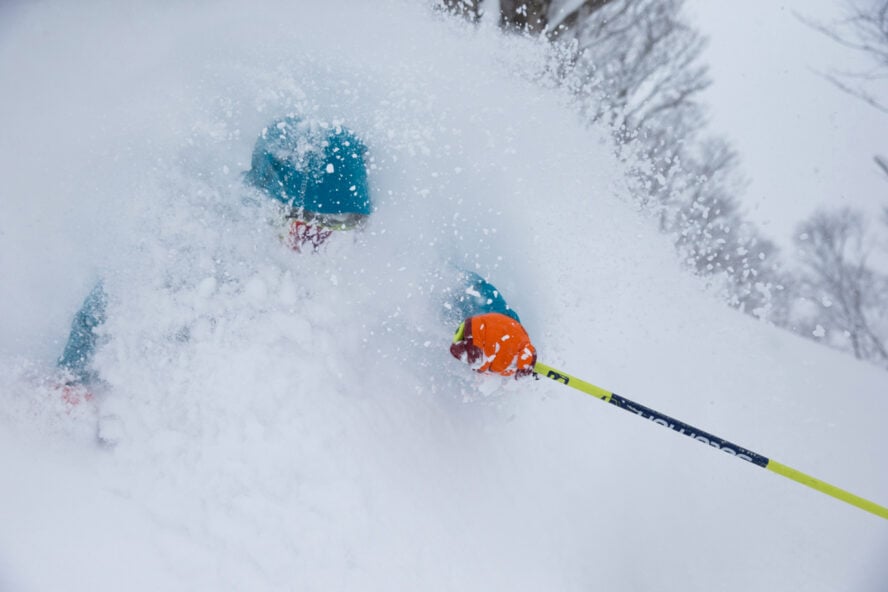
496	343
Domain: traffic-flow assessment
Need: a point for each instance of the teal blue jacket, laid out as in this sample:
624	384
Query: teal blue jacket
82	341
473	296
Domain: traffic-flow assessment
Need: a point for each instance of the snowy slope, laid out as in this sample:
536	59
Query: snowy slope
295	422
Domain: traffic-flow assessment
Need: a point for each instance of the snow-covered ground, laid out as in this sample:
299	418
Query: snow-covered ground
293	422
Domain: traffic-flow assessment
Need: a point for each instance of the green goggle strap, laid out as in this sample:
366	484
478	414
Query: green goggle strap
460	333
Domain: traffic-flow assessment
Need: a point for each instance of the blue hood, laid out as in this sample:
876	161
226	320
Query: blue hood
307	165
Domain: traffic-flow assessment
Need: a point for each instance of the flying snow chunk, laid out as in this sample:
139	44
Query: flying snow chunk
330	168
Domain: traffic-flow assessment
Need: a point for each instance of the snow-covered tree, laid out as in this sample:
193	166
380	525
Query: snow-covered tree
636	66
849	296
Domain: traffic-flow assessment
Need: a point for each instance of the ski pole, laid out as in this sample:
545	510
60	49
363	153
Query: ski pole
710	439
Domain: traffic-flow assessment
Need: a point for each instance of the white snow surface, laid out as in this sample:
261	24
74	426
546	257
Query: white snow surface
295	422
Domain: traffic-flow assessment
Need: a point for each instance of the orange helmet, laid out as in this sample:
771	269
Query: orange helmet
494	342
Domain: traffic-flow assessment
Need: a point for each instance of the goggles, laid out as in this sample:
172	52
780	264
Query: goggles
343	221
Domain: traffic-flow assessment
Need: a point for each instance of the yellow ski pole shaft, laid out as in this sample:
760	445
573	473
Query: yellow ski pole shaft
710	439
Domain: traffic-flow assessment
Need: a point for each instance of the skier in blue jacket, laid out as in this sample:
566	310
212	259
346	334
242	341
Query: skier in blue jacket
319	175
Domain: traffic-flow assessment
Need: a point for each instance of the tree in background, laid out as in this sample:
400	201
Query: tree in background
530	16
865	29
849	297
714	238
635	66
833	250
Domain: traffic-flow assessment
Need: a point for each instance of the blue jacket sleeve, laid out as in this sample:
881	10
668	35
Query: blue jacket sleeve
82	340
474	295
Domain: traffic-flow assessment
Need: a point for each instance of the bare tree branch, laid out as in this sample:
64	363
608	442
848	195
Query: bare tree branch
864	30
857	92
882	163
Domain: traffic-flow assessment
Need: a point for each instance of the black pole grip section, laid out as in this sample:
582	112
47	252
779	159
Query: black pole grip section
689	430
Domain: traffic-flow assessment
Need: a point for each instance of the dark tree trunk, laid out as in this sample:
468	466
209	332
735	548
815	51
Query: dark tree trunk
580	12
526	15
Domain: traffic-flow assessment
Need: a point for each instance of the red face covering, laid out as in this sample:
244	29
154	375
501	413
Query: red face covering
305	235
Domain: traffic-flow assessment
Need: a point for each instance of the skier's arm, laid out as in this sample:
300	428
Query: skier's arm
82	340
474	296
